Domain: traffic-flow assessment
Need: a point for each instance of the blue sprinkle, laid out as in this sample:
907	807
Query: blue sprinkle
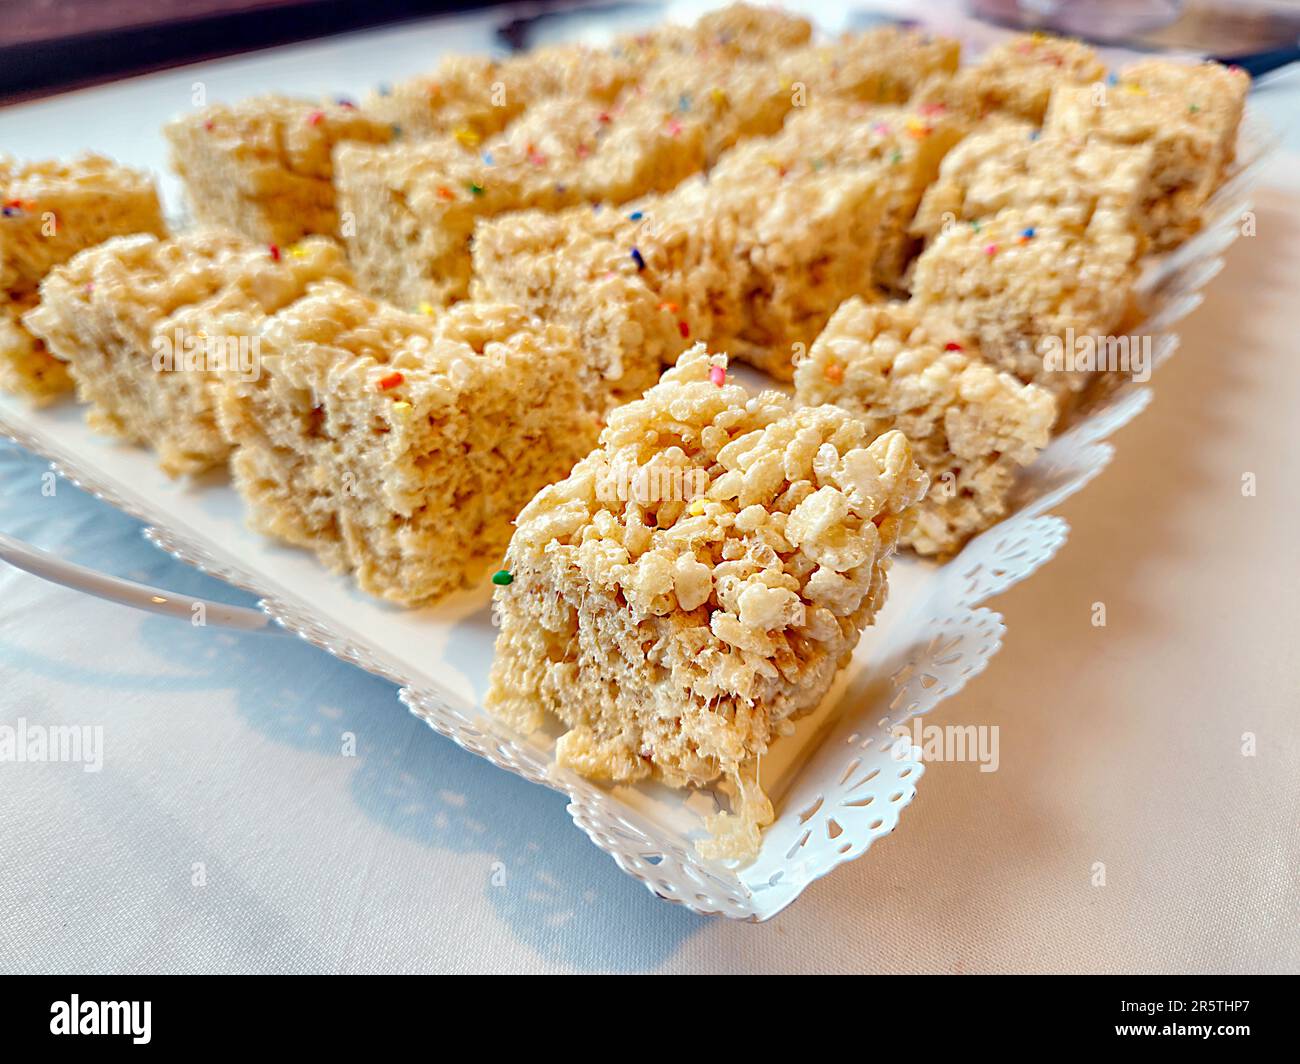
1028	233
385	89
1034	134
684	102
636	257
1112	78
487	158
635	216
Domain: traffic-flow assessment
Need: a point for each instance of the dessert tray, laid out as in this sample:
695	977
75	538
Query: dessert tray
843	778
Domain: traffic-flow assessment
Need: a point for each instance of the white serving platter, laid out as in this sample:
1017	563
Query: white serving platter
840	782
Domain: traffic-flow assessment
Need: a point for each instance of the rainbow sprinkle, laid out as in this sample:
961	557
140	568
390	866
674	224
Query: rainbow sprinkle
502	578
391	381
275	252
638	258
717	375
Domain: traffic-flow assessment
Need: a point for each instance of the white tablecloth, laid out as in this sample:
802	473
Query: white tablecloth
228	830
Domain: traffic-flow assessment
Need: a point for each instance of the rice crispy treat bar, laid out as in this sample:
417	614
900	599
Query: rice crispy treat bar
1030	283
971	426
1011	165
400	447
739	30
677	627
1188	115
52	210
883	65
473	98
26	367
263	167
756	267
136	319
905	145
1014	79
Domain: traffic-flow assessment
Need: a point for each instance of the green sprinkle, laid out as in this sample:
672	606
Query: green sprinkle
476	188
502	578
1193	107
896	158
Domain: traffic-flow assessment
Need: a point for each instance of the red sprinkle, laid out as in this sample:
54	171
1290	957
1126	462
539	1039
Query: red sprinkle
717	375
992	249
684	329
275	252
951	346
391	381
316	118
208	125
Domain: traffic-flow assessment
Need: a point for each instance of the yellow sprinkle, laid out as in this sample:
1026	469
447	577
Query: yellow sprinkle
718	96
426	308
697	507
402	408
1136	90
467	136
298	251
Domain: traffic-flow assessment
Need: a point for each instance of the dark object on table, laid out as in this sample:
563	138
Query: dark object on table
64	44
606	20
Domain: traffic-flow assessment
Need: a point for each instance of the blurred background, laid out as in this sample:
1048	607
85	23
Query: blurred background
49	46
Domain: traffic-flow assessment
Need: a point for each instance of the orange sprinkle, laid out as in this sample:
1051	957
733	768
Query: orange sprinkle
834	373
670	307
445	193
391	381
